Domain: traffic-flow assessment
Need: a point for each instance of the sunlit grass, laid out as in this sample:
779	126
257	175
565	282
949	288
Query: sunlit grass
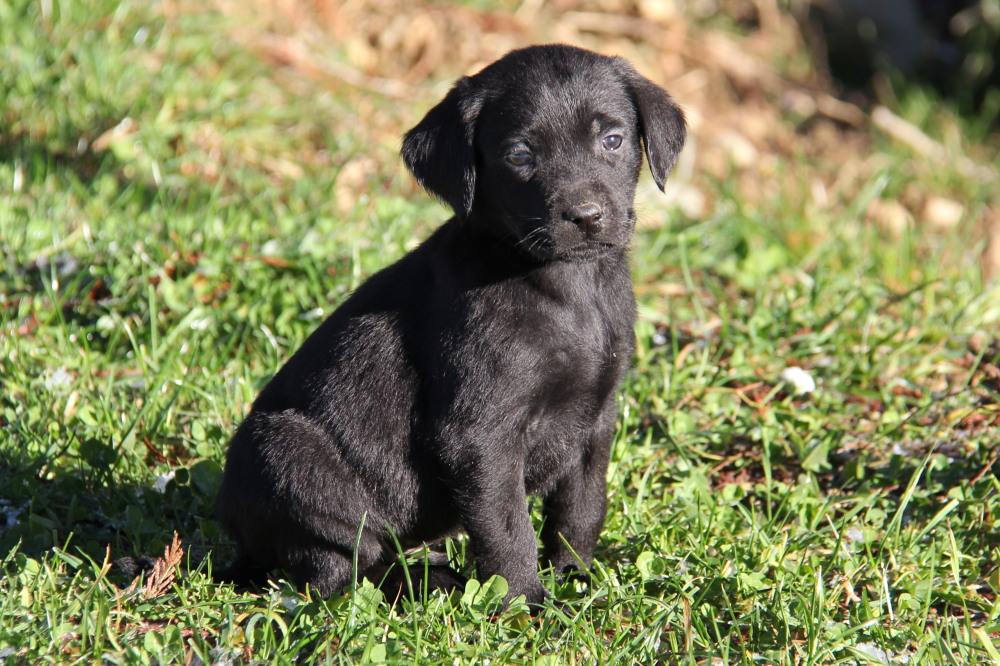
152	280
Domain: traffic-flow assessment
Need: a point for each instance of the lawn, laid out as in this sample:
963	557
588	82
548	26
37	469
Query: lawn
805	464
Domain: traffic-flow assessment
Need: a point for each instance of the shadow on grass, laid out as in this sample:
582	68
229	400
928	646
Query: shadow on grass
86	510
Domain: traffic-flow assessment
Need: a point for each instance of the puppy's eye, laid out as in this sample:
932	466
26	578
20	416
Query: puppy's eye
611	142
518	158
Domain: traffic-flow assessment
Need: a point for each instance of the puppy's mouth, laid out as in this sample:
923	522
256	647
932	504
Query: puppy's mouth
537	243
589	250
541	246
557	239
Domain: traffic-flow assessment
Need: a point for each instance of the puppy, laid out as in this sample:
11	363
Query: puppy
482	366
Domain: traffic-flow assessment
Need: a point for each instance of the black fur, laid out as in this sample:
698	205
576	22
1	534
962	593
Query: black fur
482	366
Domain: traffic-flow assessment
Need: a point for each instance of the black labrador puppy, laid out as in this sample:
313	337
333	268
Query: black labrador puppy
480	367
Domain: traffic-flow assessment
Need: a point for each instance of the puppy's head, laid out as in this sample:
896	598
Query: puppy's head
544	148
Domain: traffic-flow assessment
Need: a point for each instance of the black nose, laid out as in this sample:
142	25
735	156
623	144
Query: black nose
586	216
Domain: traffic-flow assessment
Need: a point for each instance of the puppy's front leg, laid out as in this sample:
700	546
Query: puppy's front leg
492	501
575	508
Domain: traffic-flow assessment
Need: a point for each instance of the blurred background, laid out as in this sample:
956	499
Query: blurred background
825	85
187	187
795	105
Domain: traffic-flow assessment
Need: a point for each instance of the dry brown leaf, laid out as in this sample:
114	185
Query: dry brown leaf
118	132
890	215
942	213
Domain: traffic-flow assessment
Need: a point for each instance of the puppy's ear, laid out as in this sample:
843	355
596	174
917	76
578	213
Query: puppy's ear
439	151
661	122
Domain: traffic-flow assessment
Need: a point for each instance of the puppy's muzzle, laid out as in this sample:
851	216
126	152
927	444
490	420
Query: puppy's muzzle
587	216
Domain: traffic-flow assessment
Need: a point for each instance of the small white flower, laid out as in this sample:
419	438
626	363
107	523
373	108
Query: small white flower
201	324
854	533
160	485
800	380
9	514
58	379
223	656
873	651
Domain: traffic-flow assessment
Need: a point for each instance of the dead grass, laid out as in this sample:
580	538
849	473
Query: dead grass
161	576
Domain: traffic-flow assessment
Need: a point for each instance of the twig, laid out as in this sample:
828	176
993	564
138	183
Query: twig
912	136
615	24
302	53
985	469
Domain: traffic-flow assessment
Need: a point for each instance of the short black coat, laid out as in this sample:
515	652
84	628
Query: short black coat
480	367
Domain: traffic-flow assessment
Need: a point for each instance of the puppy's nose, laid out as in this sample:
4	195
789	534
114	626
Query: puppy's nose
587	216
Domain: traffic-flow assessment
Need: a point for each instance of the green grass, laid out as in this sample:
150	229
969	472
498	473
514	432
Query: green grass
152	280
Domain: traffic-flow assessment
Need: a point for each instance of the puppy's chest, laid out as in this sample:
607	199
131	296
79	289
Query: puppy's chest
577	357
571	397
576	360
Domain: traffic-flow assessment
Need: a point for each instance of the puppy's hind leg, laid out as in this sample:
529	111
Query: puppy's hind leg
291	503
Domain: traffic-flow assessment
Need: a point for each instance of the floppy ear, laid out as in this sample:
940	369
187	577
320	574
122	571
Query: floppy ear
439	152
661	122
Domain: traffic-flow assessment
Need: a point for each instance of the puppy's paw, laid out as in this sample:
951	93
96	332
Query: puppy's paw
567	570
574	575
535	597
